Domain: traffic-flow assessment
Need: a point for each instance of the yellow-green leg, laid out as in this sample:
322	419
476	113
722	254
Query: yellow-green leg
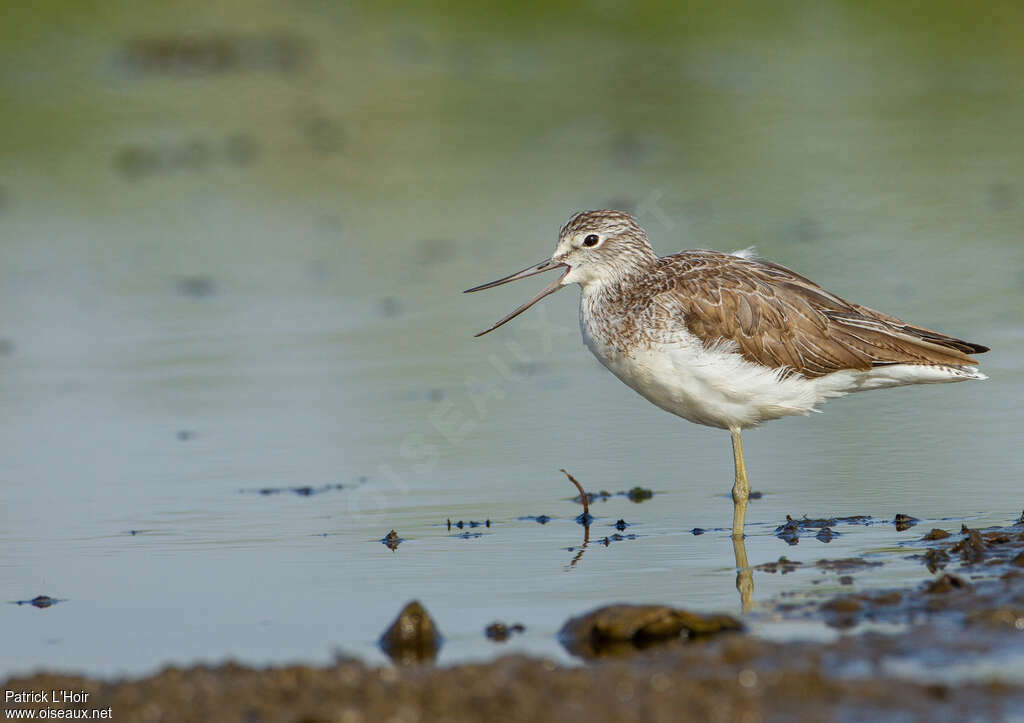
744	575
741	488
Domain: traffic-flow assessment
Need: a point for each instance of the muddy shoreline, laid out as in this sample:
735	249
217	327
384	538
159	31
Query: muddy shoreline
968	616
731	680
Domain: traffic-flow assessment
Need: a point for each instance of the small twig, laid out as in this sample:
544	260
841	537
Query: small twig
583	495
583	547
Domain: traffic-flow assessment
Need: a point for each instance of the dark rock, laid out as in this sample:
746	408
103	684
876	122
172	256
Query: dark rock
618	538
412	637
539	519
472	523
995	538
846	563
853	520
842	605
603	496
971	548
935	560
936	534
621	525
303	491
392	540
639	494
499	632
808	523
946	583
842	612
889	598
825	534
904	522
789	531
997	617
783	565
617	629
39	601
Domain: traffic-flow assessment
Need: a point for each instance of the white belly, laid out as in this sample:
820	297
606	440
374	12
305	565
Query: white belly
717	387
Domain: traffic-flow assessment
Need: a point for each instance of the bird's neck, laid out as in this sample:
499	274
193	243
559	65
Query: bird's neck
627	273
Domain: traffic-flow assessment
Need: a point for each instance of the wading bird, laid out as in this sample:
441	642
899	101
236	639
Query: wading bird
729	340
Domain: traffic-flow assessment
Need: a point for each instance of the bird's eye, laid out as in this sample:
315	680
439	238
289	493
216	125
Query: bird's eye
591	240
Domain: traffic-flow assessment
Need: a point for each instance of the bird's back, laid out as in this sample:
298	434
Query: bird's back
778	318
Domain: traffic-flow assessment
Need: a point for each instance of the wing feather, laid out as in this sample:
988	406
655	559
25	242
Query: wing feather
781	320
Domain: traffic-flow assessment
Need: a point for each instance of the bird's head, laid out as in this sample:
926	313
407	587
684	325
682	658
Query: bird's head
593	249
601	246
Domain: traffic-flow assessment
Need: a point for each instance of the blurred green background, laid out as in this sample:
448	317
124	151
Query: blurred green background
794	122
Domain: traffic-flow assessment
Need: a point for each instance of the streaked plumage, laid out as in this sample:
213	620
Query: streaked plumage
728	340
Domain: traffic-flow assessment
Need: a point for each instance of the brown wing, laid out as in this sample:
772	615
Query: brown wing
778	318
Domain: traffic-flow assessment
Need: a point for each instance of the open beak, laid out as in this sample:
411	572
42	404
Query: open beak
537	269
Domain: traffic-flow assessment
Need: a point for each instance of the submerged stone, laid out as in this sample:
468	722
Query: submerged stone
618	629
935	560
841	612
412	637
847	563
499	632
825	534
904	522
39	601
639	494
784	565
971	548
997	617
946	583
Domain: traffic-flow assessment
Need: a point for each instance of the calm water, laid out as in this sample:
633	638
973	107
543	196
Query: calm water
233	250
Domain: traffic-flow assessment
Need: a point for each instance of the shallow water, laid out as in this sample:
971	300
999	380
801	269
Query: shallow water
220	279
